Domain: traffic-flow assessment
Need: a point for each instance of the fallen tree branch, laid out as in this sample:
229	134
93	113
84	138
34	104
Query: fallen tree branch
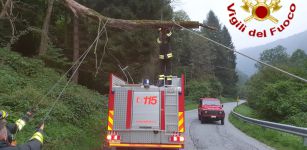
79	9
5	7
15	38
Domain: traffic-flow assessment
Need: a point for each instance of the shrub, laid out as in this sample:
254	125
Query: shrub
74	123
202	88
297	120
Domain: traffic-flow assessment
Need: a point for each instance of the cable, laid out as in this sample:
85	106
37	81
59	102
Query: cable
130	76
96	45
231	49
67	83
59	96
103	54
62	77
123	70
55	85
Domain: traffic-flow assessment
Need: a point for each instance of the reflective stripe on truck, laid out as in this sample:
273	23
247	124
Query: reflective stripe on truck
180	122
110	120
111	105
181	107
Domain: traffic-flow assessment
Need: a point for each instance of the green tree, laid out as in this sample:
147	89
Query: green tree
181	47
222	60
228	76
274	56
298	58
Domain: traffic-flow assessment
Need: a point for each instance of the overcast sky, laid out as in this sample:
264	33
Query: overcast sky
198	10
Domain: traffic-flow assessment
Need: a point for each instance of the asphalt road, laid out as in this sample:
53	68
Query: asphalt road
213	136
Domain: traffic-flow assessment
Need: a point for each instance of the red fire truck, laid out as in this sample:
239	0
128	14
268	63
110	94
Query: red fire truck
145	116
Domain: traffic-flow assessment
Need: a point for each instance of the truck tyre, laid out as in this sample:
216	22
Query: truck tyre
202	120
199	117
222	121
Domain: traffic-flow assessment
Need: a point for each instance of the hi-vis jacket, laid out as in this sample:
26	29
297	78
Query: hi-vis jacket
165	48
35	143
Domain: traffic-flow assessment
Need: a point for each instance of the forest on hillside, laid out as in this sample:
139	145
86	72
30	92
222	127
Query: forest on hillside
50	31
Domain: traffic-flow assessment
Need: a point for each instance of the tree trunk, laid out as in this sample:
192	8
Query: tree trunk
76	48
66	32
77	8
44	36
5	8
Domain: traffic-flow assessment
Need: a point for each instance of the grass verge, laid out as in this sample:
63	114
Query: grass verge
227	99
190	105
273	138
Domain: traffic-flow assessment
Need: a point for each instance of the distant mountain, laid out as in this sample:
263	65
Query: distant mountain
247	66
242	77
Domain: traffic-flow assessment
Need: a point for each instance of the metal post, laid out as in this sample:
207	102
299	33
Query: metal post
305	141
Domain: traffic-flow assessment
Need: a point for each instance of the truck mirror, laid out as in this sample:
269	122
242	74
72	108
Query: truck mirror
222	105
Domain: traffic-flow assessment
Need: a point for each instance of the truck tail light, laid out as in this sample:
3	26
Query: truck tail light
109	137
181	139
176	137
173	139
113	136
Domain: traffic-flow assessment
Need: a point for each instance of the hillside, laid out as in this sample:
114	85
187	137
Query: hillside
75	123
292	43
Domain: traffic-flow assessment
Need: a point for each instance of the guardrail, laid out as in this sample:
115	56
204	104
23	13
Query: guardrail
276	126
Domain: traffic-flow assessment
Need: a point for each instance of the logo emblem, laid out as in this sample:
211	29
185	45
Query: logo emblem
261	11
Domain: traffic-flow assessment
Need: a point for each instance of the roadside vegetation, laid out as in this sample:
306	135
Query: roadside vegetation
278	97
273	138
78	119
197	89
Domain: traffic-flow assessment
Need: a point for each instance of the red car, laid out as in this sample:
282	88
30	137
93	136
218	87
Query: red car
210	109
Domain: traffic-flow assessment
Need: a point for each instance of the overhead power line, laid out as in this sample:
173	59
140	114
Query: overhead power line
242	54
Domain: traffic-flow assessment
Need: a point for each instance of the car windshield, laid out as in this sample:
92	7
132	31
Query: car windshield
210	102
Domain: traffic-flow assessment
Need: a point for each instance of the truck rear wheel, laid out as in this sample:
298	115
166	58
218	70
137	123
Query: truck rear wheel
199	117
222	121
